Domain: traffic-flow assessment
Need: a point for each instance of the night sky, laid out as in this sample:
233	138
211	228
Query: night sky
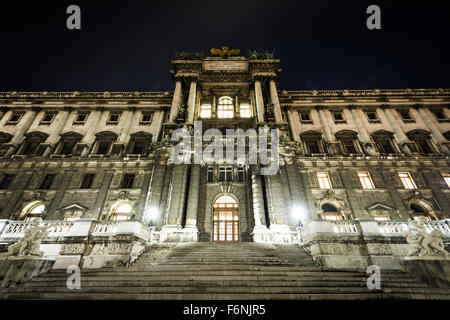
127	45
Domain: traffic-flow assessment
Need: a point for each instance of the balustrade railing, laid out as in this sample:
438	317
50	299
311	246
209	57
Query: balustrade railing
80	228
344	226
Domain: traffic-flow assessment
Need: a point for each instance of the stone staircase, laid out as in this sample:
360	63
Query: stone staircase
203	271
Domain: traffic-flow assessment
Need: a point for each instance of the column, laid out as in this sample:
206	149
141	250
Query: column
434	131
365	138
176	101
193	197
260	230
331	142
402	138
23	128
290	115
123	139
160	125
191	101
54	137
275	101
259	101
89	137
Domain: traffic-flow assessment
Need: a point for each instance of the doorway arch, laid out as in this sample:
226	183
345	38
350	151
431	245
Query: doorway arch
225	219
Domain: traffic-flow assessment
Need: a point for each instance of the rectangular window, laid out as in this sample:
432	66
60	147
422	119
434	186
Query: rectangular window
81	118
113	117
47	118
366	180
372	116
226	173
146	117
446	177
338	117
349	146
127	181
407	180
324	180
240	174
68	146
6	181
210	174
313	146
245	111
88	179
103	147
139	147
305	117
205	111
405	115
48	181
15	118
439	114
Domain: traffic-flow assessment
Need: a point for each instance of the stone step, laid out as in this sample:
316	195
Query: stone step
226	283
221	296
177	272
224	289
189	277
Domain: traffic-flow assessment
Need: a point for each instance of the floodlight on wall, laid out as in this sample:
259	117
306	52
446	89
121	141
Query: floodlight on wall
152	213
298	212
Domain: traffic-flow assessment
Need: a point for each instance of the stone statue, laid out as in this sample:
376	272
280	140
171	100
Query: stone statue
29	244
424	243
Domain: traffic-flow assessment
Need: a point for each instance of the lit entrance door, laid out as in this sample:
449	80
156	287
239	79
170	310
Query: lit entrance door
225	220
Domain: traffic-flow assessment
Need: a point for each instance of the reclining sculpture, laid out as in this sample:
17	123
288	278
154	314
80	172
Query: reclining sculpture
29	244
424	243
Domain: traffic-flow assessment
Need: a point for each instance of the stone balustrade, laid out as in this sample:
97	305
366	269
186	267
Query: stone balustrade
368	227
10	230
356	244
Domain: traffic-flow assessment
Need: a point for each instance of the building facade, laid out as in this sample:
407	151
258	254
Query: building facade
344	155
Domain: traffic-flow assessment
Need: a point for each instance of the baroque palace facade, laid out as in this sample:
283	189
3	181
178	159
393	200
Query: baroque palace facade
351	162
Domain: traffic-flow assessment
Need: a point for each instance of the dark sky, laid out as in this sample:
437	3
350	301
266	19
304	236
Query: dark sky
127	45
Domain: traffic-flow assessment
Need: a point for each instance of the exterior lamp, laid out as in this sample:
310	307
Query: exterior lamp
298	213
152	214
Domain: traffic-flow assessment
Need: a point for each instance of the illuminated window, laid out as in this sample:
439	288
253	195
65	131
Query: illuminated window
381	218
32	211
205	111
446	177
225	108
407	180
330	213
245	111
324	180
121	211
366	181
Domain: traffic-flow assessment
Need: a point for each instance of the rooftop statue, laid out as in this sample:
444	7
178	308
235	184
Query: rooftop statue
224	52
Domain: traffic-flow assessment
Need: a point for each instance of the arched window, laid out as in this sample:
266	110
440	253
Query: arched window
121	211
225	108
419	211
33	210
330	212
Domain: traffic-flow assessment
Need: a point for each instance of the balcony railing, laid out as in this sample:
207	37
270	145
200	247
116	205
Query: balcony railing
10	230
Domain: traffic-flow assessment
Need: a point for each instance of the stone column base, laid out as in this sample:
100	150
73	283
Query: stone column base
174	233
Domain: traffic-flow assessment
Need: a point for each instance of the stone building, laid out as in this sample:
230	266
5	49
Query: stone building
346	157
